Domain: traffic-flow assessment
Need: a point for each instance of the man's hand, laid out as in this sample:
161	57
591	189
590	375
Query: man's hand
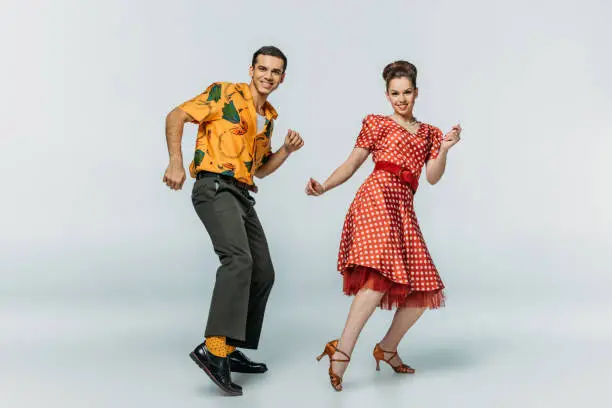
175	175
293	141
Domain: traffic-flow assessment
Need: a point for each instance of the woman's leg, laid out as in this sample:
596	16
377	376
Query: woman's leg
403	320
364	304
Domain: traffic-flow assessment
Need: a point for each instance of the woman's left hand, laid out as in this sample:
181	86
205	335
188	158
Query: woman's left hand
452	137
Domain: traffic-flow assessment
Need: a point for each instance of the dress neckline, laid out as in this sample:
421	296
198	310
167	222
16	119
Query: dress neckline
404	129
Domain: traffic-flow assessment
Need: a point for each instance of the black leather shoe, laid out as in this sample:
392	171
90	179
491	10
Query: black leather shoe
217	368
239	363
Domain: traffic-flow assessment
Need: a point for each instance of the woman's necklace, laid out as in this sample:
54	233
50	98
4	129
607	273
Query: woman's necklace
410	126
404	122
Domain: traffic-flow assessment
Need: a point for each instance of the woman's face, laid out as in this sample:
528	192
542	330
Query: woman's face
402	94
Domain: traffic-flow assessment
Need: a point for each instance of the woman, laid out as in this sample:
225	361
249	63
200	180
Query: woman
383	257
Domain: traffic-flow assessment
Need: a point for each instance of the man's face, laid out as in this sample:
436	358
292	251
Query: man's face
267	74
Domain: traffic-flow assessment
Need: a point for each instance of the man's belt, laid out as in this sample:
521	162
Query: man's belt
229	179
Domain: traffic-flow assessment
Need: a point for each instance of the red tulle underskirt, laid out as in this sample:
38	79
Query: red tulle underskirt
396	294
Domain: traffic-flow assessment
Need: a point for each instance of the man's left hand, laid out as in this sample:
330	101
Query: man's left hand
293	141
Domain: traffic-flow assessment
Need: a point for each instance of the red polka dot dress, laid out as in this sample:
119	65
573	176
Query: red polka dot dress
382	247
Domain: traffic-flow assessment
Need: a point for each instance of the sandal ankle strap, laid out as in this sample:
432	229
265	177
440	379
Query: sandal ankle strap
393	353
341	352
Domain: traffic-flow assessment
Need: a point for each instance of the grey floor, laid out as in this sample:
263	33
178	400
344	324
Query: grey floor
112	349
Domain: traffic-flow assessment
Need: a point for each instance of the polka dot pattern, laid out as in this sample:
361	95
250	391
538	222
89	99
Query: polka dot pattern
381	230
216	345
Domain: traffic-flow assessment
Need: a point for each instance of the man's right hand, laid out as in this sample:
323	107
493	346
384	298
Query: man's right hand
175	175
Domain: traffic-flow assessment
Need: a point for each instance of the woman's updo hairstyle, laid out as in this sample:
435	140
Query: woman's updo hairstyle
400	69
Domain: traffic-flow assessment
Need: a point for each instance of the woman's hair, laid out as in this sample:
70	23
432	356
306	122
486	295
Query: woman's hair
400	69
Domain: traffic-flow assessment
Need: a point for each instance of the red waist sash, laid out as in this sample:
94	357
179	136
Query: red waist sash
404	174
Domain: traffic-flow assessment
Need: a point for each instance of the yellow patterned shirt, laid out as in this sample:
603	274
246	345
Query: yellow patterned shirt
228	142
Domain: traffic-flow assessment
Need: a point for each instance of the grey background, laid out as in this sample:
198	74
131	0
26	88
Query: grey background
106	274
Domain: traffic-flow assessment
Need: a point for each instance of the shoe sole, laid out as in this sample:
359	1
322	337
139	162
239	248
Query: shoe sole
249	372
212	377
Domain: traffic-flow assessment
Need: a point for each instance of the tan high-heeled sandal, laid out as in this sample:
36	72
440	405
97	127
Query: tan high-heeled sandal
379	355
329	350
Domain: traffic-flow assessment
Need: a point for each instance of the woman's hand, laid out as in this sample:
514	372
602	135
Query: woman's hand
340	175
314	188
451	138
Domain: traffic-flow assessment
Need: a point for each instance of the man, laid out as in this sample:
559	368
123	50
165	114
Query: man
233	145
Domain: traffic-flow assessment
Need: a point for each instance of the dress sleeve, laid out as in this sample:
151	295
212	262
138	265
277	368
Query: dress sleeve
369	134
436	136
206	106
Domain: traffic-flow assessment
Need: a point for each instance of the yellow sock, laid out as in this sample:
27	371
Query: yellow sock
216	345
230	349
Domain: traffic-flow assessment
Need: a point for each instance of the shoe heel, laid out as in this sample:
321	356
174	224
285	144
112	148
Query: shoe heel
377	365
326	352
329	351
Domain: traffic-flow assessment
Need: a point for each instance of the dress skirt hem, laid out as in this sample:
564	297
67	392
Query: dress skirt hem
396	295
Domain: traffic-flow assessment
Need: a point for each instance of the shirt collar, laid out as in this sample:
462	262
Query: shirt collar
269	110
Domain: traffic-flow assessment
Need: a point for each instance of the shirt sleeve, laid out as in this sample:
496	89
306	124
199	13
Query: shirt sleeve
268	149
436	141
369	134
206	106
266	156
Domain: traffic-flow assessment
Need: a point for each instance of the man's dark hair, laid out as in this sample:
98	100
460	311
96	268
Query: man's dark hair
271	51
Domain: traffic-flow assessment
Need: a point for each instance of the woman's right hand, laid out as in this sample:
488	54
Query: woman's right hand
314	188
